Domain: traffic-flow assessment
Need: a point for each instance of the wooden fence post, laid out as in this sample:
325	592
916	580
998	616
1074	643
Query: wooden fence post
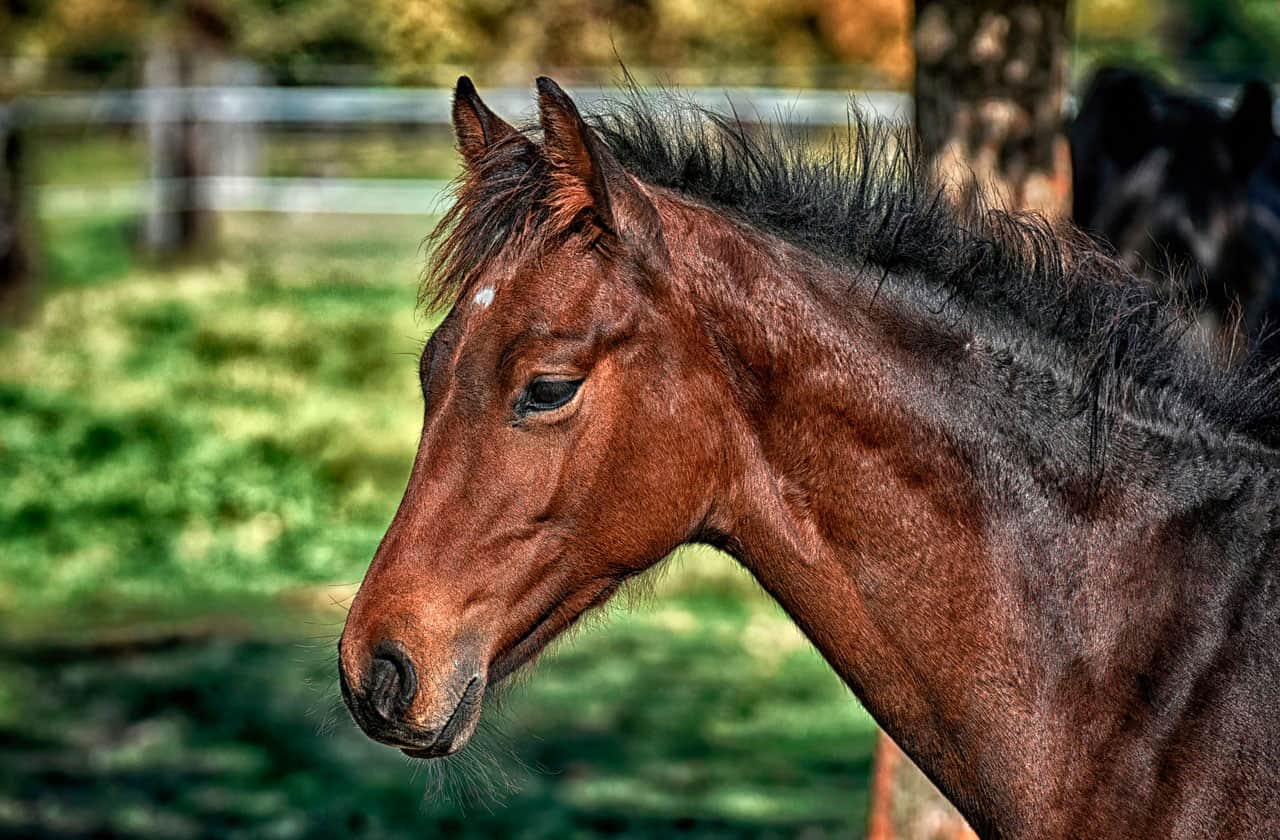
905	805
18	270
173	223
186	147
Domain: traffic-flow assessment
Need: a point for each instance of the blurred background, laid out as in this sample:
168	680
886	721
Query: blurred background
210	225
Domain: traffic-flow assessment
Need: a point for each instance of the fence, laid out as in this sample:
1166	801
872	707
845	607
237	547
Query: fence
227	117
426	106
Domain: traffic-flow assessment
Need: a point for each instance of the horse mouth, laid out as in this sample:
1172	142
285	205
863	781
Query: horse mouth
457	730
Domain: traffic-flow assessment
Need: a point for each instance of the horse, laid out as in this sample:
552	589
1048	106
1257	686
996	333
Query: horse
1184	193
1032	528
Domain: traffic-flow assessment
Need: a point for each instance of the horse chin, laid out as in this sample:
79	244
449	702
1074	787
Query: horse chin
437	750
458	729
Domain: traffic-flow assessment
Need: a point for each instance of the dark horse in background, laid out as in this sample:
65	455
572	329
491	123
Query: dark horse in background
1182	190
1034	532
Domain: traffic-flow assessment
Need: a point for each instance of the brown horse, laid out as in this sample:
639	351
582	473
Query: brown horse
975	462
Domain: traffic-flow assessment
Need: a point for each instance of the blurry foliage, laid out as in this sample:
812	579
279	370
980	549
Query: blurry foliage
1236	40
93	38
302	40
1104	19
82	25
222	431
429	41
803	42
1191	40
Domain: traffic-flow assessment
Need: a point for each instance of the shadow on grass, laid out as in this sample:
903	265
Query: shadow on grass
224	737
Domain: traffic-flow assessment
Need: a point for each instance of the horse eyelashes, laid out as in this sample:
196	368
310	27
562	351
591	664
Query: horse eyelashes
547	395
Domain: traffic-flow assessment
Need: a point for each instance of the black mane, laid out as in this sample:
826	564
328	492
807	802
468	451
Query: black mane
868	200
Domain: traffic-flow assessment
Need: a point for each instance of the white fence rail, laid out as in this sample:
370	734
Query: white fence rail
420	106
240	109
224	194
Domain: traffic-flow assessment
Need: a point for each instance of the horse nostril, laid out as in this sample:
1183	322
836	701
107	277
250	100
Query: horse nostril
392	682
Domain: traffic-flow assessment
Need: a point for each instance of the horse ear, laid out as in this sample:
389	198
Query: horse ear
1129	120
475	126
1251	129
590	180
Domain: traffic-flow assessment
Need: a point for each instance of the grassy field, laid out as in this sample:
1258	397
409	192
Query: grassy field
197	464
101	157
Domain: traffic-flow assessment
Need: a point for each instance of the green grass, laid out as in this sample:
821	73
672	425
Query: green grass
82	159
197	462
87	250
379	154
89	157
216	431
676	718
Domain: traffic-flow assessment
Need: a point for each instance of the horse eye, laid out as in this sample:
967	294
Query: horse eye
547	395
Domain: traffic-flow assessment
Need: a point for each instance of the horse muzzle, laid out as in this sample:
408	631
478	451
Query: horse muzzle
392	702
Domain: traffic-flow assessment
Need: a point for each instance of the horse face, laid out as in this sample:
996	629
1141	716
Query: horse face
561	453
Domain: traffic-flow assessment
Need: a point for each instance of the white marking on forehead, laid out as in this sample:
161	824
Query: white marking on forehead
484	297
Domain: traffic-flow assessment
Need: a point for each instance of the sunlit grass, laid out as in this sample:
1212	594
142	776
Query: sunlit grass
89	156
242	427
112	156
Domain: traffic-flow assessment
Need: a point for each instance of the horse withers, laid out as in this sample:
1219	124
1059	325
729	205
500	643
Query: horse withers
971	456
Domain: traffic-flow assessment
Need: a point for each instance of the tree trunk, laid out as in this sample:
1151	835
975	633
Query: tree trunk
186	149
905	805
990	85
18	274
177	223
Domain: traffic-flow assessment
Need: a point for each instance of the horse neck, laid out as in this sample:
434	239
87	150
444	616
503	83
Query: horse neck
898	505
